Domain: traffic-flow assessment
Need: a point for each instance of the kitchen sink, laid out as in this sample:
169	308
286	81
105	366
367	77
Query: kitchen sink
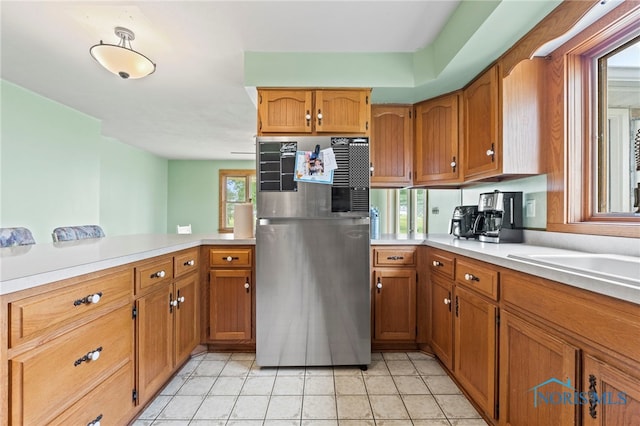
623	269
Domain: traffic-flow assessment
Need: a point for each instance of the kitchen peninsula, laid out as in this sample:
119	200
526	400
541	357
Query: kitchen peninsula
41	327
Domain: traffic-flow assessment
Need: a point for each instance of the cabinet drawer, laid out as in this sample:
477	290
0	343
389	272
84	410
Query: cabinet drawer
441	263
397	256
478	277
45	313
110	402
230	257
186	262
153	273
47	380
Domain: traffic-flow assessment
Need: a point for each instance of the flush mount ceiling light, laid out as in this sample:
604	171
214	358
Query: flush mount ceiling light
120	58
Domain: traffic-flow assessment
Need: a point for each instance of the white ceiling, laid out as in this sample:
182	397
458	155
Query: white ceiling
195	106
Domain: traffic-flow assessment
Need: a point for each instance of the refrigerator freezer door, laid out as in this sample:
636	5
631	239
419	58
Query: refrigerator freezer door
312	292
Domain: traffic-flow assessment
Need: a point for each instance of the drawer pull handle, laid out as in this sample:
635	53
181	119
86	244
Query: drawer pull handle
159	274
90	356
471	277
593	397
92	298
436	263
395	257
189	263
229	258
96	421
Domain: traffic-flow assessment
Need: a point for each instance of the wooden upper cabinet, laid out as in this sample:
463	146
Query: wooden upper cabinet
503	122
311	111
481	119
390	145
285	111
437	152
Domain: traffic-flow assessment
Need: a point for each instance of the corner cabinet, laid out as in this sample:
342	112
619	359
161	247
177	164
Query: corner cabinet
504	121
394	289
391	145
313	111
437	141
231	296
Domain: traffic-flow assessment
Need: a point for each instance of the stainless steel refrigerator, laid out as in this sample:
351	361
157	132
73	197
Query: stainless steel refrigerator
312	252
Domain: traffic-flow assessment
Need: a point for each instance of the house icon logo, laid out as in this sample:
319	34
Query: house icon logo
537	393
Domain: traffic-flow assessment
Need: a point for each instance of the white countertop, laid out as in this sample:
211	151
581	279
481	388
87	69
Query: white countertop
29	266
23	267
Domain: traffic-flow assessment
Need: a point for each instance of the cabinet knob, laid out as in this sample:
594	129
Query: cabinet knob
90	356
436	263
181	299
159	274
471	277
173	302
90	299
190	262
229	258
447	301
379	285
308	118
94	298
491	153
453	164
319	116
246	285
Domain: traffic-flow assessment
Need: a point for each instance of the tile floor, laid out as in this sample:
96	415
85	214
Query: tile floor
399	388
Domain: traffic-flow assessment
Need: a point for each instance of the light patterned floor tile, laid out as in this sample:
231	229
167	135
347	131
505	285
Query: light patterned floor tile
240	356
467	422
456	407
319	371
401	368
209	368
196	385
377	368
236	368
380	385
355	407
343	422
411	385
347	371
258	385
217	356
288	385
422	407
215	407
280	422
388	407
395	423
319	407
429	368
395	356
285	407
319	385
158	404
420	356
319	422
227	386
441	385
181	408
250	407
174	385
350	385
431	422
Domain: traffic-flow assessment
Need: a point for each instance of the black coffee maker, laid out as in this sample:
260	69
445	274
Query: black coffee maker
499	217
461	224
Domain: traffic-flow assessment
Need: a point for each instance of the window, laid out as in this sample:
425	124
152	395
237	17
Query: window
236	187
592	177
402	211
617	164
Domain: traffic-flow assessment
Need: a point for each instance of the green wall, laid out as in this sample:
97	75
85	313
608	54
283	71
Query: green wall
194	191
56	169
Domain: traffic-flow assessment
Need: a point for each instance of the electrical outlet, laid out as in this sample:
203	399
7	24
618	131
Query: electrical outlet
530	208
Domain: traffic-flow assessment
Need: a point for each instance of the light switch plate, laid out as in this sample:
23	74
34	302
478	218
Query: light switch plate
530	208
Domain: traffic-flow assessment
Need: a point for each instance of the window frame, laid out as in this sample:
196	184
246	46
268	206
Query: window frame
574	125
223	174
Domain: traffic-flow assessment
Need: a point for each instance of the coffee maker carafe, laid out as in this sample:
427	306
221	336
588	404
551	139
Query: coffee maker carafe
499	217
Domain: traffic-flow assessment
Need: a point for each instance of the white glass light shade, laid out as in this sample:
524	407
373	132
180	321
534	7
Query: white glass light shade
126	63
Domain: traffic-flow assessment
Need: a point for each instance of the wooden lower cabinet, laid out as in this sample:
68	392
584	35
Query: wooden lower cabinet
167	332
529	358
154	341
475	348
442	320
618	394
394	304
230	302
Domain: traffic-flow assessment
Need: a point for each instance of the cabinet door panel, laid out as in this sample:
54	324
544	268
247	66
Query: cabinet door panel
395	304
341	111
529	357
481	110
442	320
230	304
284	111
475	347
391	140
437	156
155	342
618	394
186	317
